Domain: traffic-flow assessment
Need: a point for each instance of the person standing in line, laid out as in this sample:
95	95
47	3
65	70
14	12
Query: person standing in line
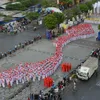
74	88
28	98
59	96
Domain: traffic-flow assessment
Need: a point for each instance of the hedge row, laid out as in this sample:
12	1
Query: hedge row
22	5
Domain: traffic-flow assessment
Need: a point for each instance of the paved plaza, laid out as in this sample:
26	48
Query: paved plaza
74	53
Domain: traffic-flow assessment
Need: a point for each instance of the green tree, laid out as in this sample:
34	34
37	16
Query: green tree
83	7
19	0
60	17
22	5
69	1
32	15
69	13
99	27
8	18
50	21
27	3
76	10
2	15
17	6
89	4
93	1
45	3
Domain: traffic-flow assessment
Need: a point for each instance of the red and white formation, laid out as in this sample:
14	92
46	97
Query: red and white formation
42	69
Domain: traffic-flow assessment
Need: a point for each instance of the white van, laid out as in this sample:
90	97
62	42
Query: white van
86	70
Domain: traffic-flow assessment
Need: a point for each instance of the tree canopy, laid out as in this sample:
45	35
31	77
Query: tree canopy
45	3
17	6
69	13
93	1
83	7
8	18
89	4
99	27
76	10
32	15
60	17
22	5
50	21
67	1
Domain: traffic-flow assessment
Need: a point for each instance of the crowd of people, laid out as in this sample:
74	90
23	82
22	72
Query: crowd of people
15	26
55	93
96	53
40	70
50	34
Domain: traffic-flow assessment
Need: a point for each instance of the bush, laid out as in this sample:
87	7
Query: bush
23	5
32	15
83	8
2	15
89	4
99	27
76	11
45	3
27	3
7	18
69	13
60	17
93	1
18	6
50	21
69	1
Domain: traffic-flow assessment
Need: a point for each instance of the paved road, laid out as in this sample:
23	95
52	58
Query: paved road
8	42
86	90
73	53
87	43
38	51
